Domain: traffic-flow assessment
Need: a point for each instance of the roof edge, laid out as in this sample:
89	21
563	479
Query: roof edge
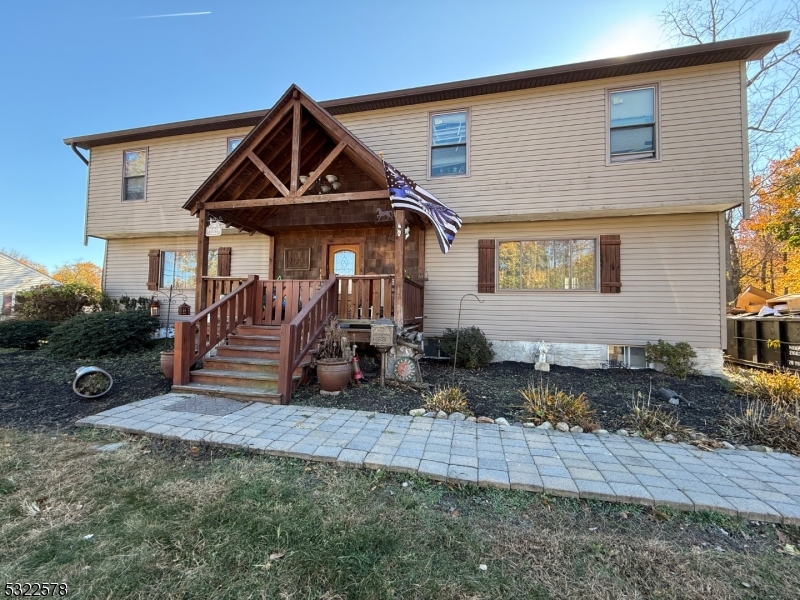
747	48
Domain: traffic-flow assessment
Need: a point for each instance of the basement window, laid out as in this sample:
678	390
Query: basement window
628	357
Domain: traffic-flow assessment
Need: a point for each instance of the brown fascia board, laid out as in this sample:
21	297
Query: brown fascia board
748	48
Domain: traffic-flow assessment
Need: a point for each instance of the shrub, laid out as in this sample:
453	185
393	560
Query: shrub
777	426
19	333
677	359
108	303
474	350
449	399
102	333
654	421
56	302
543	403
776	387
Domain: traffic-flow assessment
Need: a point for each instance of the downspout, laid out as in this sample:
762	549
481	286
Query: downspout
86	211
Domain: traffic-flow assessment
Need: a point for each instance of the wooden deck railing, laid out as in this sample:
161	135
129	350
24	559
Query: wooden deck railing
413	302
365	296
216	287
298	337
283	299
196	337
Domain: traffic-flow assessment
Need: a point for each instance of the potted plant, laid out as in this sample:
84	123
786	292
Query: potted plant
333	360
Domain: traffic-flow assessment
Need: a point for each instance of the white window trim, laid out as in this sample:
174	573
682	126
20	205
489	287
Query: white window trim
146	151
429	141
499	290
656	129
228	143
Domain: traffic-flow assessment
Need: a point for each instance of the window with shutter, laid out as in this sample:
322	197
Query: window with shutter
610	279
224	262
486	266
154	271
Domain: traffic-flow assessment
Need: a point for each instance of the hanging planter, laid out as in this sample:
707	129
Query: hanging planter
92	382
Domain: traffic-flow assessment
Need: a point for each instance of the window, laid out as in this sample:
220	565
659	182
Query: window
548	265
632	134
448	144
134	172
233	143
631	357
179	268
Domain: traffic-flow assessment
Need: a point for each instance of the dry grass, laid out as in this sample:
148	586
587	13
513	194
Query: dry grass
450	399
543	403
168	522
653	421
770	387
774	425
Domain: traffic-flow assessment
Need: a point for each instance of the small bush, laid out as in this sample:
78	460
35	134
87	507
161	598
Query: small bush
449	399
56	302
19	333
654	421
677	359
102	333
543	403
474	350
776	387
776	426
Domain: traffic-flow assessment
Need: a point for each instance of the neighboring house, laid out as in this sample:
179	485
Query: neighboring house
592	197
18	277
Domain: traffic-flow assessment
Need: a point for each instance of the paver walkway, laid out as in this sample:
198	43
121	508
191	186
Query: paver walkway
754	485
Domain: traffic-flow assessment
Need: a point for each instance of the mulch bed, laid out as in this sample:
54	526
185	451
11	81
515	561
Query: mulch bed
494	392
36	391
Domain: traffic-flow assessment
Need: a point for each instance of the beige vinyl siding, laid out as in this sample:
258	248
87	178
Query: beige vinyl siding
176	166
542	152
671	287
16	277
127	260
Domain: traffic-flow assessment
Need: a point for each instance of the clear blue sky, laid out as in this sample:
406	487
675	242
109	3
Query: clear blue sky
78	67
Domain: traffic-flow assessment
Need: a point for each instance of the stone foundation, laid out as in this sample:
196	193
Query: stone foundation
590	356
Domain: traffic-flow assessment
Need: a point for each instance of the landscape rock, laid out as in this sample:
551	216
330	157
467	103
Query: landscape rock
669	438
546	425
441	415
576	429
562	426
471	420
417	412
601	431
430	414
457	416
658	438
675	401
759	448
528	424
741	447
728	446
623	432
485	420
502	421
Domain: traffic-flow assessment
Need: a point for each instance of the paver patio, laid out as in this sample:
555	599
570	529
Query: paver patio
754	485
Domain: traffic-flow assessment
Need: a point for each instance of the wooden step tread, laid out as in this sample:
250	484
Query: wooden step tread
266	338
228	391
267	362
236	374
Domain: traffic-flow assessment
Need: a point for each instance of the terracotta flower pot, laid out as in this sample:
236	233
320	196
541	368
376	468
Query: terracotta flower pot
168	363
333	374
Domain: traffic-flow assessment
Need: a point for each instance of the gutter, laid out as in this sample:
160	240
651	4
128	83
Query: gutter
86	203
74	147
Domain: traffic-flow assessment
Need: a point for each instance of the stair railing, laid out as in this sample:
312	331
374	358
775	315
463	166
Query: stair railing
299	336
197	337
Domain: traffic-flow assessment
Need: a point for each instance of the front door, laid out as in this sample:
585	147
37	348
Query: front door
343	259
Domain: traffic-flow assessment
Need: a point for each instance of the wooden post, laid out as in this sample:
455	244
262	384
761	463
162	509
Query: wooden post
184	352
295	165
271	274
202	264
399	264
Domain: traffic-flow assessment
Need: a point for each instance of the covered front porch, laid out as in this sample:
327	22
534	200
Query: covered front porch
336	248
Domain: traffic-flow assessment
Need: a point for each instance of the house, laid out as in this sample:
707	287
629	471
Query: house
18	277
592	197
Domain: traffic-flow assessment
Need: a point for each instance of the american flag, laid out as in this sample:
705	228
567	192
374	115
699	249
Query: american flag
407	195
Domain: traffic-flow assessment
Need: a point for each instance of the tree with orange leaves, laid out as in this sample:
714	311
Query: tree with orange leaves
769	242
81	271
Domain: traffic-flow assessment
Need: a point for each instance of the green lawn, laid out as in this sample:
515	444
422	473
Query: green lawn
171	521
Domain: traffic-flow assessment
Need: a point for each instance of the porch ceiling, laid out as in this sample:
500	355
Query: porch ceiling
258	187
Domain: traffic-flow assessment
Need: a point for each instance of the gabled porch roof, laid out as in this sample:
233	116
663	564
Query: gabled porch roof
259	185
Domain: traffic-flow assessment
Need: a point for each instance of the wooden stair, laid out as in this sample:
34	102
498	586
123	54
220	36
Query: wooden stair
245	367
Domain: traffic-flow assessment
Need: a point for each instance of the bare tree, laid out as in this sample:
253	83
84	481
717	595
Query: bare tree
773	85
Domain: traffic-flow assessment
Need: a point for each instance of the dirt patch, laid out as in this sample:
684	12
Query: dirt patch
36	389
494	392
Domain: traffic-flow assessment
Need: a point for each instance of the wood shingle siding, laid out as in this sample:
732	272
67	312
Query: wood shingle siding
671	285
